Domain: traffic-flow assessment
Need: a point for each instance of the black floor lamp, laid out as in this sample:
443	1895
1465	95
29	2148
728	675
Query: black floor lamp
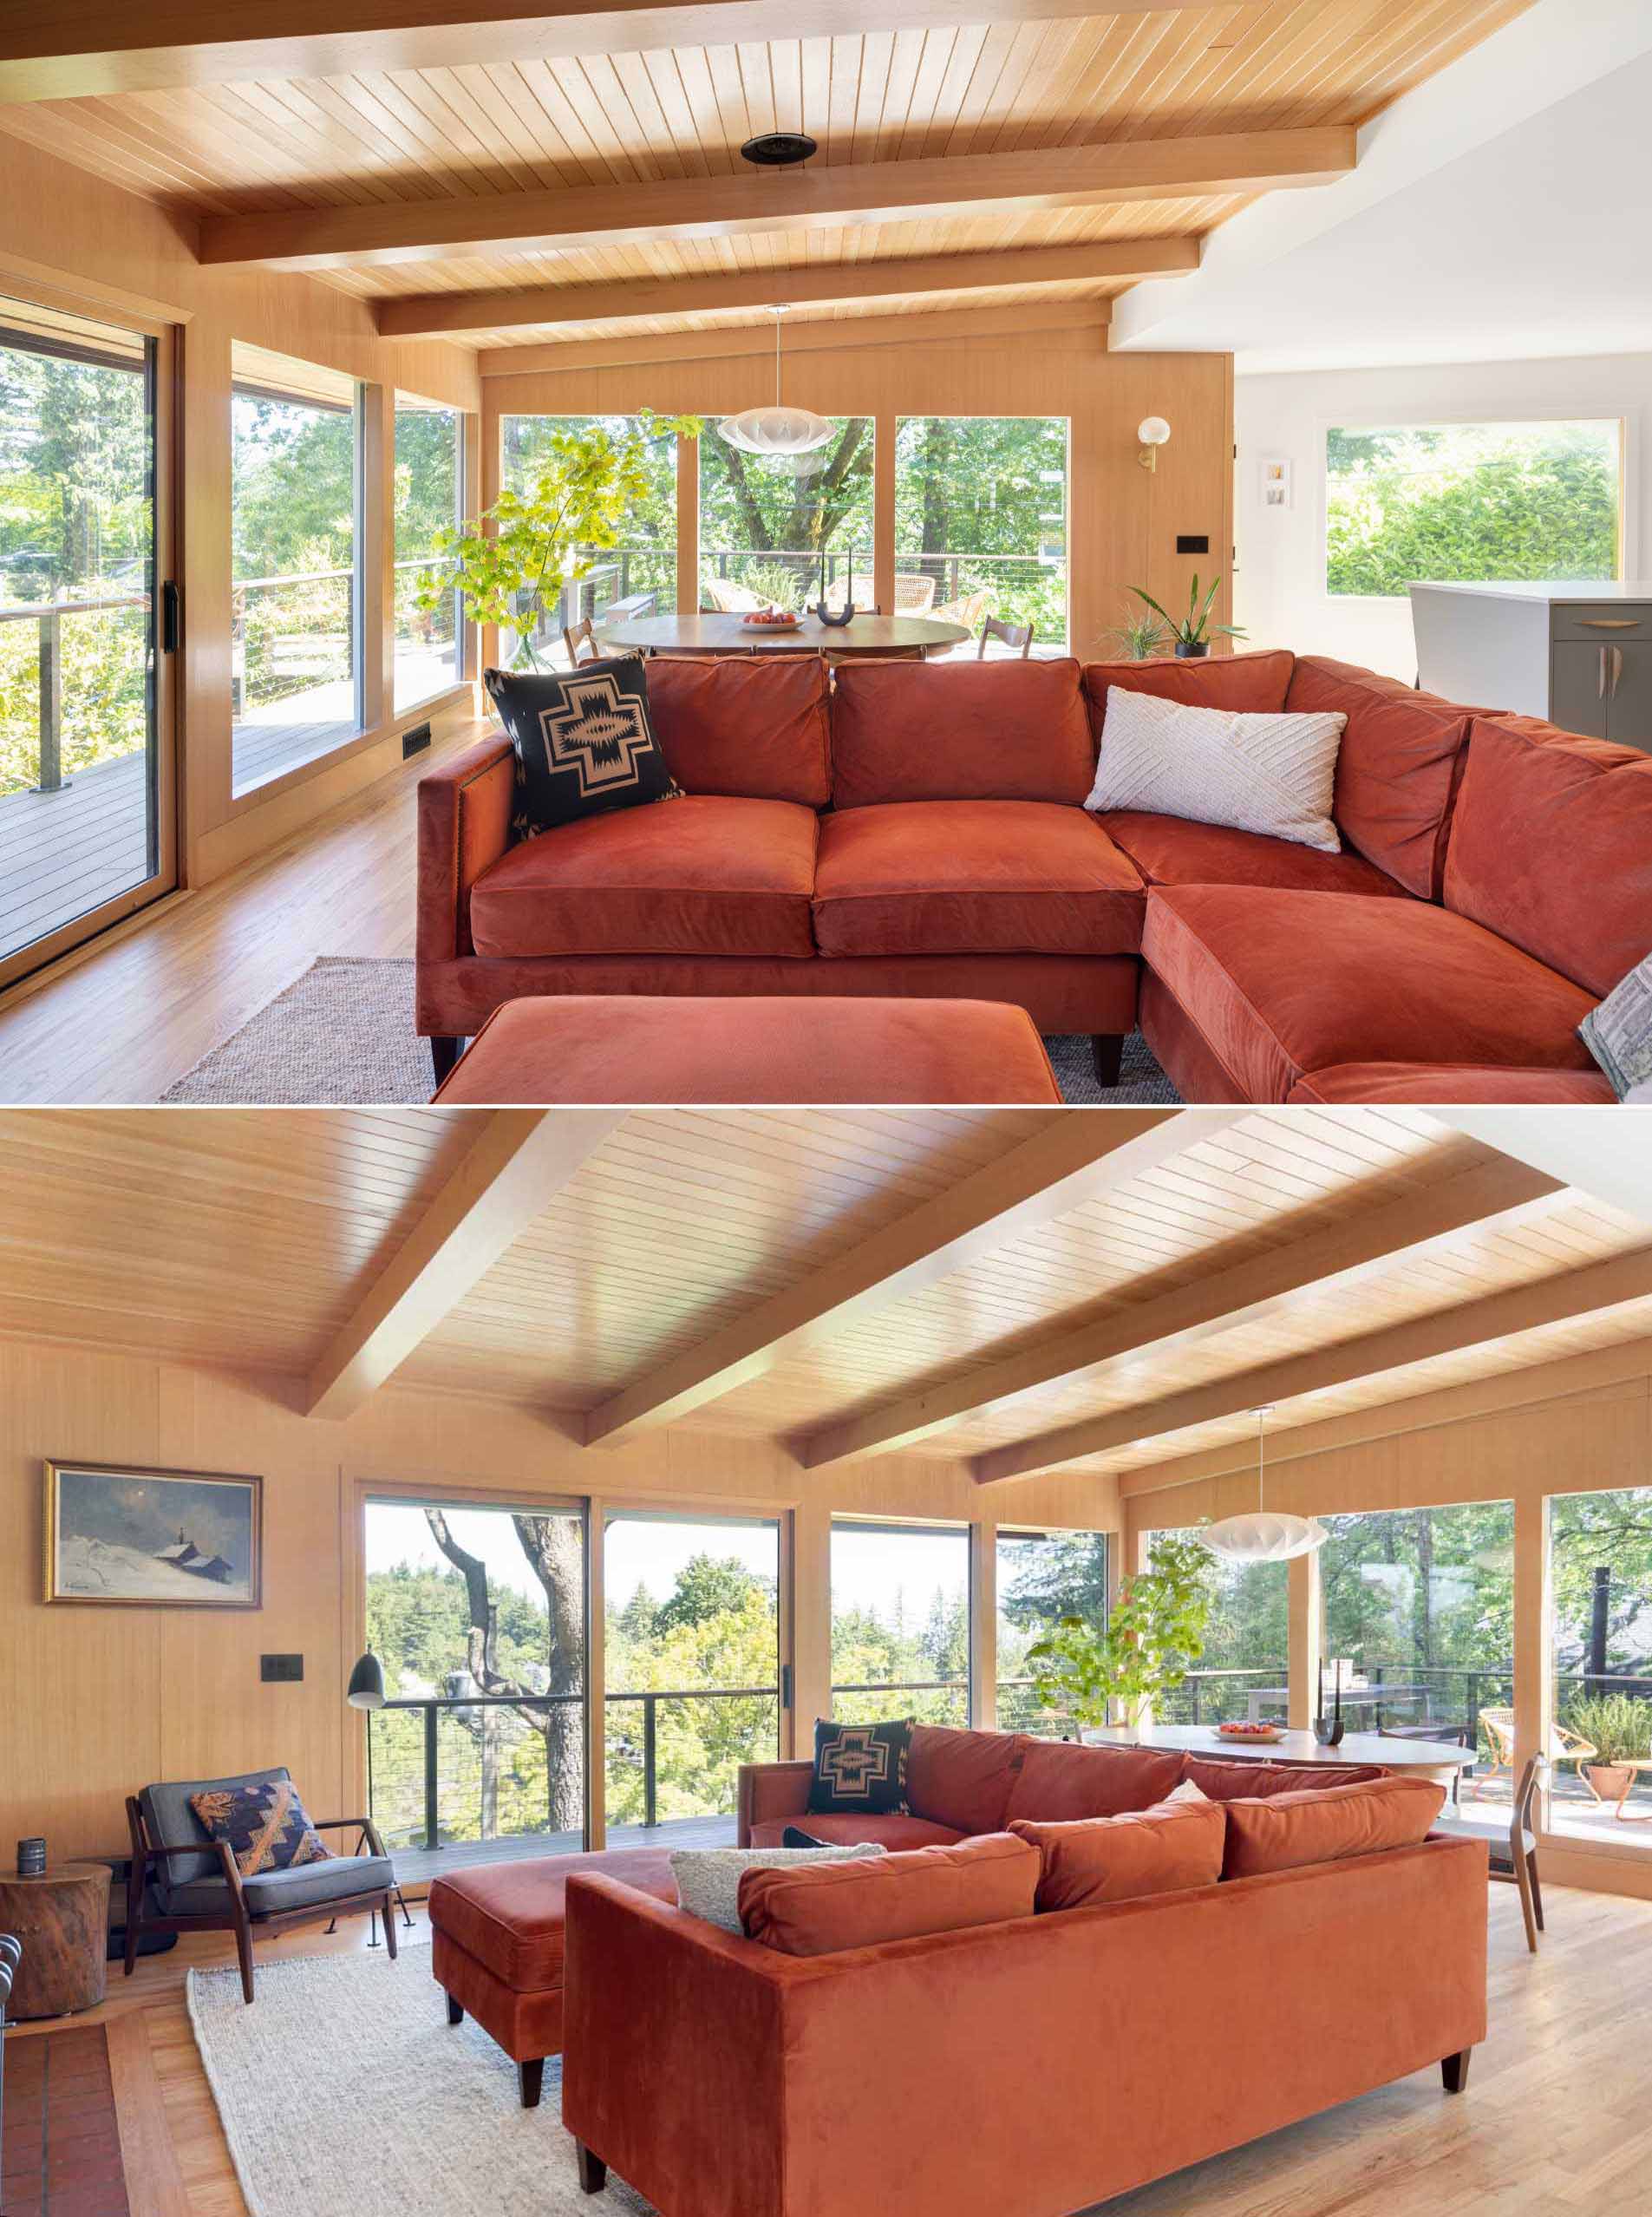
366	1691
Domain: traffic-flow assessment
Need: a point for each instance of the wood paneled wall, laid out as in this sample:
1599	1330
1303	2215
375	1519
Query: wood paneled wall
1122	521
75	241
94	1703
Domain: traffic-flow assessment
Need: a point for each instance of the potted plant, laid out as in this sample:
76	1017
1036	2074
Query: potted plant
1619	1729
1142	636
1153	1635
1192	634
540	541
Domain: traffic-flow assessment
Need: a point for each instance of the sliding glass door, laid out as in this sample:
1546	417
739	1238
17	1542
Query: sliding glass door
87	617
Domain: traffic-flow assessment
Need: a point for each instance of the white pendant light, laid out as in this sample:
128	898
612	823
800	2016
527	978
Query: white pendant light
777	430
1262	1534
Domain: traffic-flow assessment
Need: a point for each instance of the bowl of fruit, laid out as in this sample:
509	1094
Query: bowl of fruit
770	619
1255	1733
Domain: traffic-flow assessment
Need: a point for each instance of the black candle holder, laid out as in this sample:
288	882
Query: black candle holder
835	622
1328	1731
31	1859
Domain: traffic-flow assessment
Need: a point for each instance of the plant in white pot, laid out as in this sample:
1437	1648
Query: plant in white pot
1153	1636
1618	1730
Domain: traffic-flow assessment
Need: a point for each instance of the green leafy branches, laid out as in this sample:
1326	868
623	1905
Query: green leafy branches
1195	628
553	536
1153	1636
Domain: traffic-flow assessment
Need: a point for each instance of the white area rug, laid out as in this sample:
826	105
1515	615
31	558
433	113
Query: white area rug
344	2092
344	1032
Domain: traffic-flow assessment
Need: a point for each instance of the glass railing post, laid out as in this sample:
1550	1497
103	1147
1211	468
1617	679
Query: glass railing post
650	1806
431	1791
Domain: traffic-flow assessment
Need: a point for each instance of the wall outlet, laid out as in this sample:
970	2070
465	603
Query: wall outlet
1193	542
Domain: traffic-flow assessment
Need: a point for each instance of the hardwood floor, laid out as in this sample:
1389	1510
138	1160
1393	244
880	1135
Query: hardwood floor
133	1013
1554	2120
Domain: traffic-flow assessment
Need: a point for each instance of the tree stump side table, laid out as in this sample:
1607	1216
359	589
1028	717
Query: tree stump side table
62	1922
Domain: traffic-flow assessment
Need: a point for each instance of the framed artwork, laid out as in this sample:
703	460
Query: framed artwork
1276	482
154	1538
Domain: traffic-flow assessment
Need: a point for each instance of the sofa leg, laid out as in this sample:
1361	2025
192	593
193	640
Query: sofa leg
532	2076
593	2172
1454	2071
444	1053
1108	1047
455	2011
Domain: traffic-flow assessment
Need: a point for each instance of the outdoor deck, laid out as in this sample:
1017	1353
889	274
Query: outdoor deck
414	1866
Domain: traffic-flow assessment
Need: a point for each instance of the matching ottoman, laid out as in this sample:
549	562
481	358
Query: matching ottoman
686	1049
496	1946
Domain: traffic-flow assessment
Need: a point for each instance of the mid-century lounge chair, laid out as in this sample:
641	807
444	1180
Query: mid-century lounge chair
201	1890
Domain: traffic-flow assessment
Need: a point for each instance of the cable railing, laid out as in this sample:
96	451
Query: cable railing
947	1701
103	696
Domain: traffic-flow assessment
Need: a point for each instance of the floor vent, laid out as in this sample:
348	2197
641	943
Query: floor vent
415	742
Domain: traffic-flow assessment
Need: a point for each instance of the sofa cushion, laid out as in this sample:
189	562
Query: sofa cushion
1281	984
701	875
169	1813
959	731
707	1879
1270	774
860	1770
1231	1782
838	1831
822	1908
300	1886
1161	1850
1552	848
1059	1781
1323	1825
1253	684
1172	851
756	726
973	877
963	1778
1395	768
1472	1081
510	1916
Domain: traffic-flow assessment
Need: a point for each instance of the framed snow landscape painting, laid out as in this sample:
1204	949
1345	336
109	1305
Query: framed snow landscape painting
164	1539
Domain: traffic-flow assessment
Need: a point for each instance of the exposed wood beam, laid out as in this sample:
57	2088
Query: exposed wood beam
1115	261
1474	1324
1573	1144
78	49
520	1160
826	335
1325	1262
815	197
1048	1176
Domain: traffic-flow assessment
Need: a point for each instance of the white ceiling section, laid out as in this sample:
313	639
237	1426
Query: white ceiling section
1501	210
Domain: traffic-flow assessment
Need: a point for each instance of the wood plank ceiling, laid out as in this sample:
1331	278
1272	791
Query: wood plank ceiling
1350	1258
471	132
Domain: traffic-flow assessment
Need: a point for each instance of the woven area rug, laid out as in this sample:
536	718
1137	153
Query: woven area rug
344	1032
344	2092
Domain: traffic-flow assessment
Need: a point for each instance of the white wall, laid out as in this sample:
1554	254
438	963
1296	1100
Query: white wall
1279	592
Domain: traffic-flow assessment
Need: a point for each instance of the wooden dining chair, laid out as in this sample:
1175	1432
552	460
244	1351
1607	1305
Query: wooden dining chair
575	636
1017	636
1513	1842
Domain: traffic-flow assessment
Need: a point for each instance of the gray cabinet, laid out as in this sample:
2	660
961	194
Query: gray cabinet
1580	655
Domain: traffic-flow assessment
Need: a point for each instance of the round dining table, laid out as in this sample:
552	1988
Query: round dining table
909	638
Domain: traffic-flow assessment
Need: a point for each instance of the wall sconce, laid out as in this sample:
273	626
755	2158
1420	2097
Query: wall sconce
1152	431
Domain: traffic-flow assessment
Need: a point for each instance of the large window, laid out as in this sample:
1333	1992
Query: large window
296	627
692	1648
981	519
1600	1569
1458	502
900	1622
643	564
1244	1671
776	528
1419	1612
478	1617
429	496
1042	1577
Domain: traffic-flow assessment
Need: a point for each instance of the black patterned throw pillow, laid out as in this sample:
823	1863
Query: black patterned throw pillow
265	1825
583	739
861	1768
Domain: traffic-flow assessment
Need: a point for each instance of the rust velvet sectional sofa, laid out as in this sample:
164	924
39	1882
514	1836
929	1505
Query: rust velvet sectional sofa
917	830
1034	2058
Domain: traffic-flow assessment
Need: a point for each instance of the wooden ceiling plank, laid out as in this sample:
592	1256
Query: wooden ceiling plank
1046	1176
1227	1301
520	1160
1126	260
1615	1283
802	198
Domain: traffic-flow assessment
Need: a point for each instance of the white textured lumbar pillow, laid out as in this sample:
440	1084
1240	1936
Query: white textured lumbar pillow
1185	1792
708	1878
1270	774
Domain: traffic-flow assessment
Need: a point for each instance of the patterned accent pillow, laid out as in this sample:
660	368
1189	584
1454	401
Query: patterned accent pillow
584	741
861	1769
708	1878
1618	1034
265	1825
1268	773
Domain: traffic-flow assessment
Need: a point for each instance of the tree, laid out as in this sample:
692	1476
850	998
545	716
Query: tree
707	1588
1153	1636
